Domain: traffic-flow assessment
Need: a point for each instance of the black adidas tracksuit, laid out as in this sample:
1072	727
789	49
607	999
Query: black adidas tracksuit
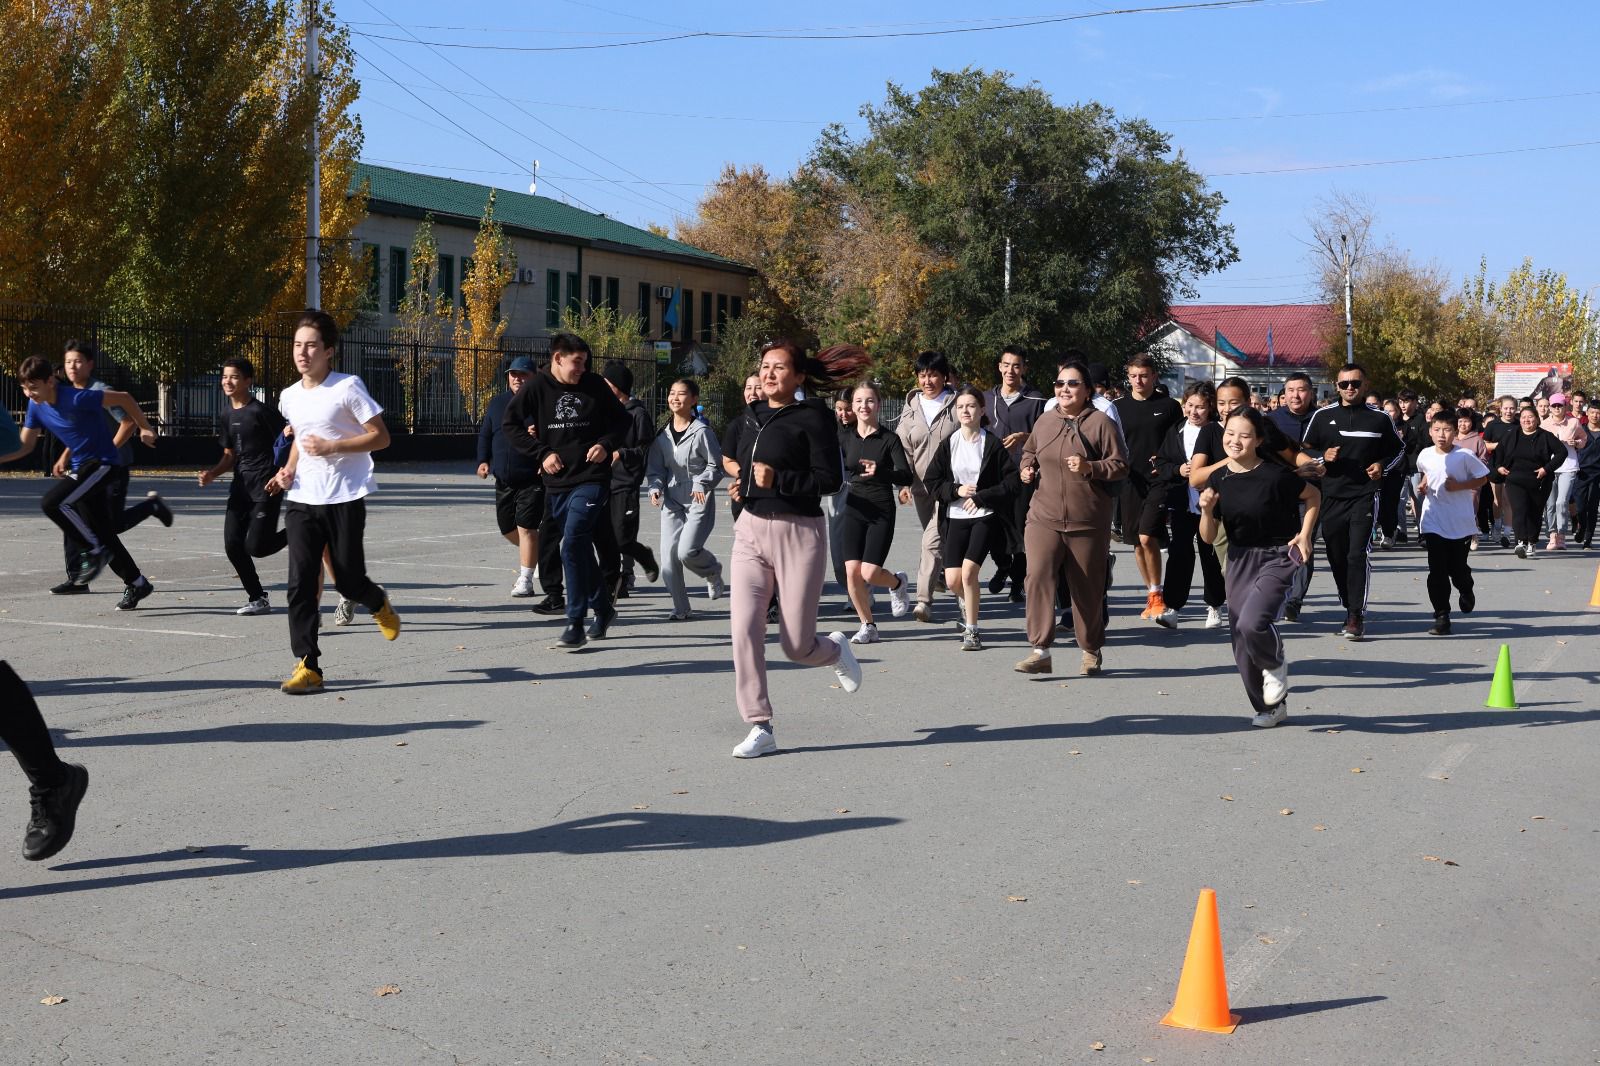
1364	435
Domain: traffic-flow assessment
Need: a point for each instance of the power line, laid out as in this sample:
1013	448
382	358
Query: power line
523	173
1385	110
1398	162
756	35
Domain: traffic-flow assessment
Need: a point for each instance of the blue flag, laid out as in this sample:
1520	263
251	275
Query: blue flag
669	318
1226	347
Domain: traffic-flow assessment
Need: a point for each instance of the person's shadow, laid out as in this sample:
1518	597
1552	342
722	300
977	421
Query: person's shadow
633	832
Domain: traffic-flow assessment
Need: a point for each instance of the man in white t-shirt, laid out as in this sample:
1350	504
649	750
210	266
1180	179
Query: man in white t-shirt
337	427
1447	482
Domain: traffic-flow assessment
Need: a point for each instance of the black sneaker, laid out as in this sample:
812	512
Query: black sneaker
652	568
772	615
159	508
1017	595
601	622
1291	612
55	814
997	583
1469	600
1355	626
551	604
1505	541
67	588
572	637
1441	625
132	594
90	564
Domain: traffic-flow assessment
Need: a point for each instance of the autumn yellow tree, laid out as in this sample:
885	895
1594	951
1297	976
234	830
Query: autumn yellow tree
478	322
423	320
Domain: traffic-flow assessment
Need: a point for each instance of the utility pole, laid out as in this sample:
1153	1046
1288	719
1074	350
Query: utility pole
314	189
1349	325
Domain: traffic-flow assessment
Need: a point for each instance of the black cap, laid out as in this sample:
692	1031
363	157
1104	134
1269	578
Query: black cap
618	374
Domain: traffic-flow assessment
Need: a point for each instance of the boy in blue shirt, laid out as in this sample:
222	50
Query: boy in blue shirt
81	503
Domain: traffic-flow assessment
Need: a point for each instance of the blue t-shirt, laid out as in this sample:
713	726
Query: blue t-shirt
78	420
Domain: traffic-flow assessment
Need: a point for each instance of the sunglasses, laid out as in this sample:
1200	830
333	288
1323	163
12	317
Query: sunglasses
1557	403
1067	384
1348	385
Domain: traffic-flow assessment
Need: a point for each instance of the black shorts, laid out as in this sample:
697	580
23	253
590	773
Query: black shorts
968	539
1143	511
865	531
516	508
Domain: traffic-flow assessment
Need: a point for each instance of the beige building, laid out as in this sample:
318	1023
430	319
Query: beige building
566	257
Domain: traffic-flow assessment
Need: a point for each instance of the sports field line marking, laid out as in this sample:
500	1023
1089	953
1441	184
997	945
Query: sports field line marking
1251	959
1453	757
125	629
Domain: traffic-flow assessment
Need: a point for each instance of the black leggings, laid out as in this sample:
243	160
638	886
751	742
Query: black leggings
22	728
1527	507
249	532
967	540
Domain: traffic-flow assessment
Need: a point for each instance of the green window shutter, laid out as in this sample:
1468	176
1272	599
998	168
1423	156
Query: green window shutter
596	292
705	317
614	295
722	314
688	314
397	277
552	299
574	303
644	309
447	278
372	254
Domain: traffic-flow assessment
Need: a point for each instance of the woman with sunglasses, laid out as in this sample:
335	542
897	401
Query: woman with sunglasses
1072	456
973	480
1258	497
780	541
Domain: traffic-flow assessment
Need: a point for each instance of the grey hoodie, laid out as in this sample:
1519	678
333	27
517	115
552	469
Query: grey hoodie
677	470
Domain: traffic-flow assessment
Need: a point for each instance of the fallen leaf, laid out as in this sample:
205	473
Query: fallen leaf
1160	693
193	849
1228	798
461	647
680	792
1016	899
1320	828
1097	1046
587	696
386	990
841	810
1560	642
641	806
1266	940
1448	862
1147	1060
535	682
1331	732
1538	818
1357	770
1286	810
1430	858
1074	751
1135	882
51	1001
401	743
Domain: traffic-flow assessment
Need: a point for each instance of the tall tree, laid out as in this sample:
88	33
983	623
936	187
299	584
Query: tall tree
424	318
478	322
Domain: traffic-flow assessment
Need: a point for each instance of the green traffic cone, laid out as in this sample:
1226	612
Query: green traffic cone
1501	695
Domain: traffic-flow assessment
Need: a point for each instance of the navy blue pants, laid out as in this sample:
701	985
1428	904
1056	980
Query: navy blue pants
577	512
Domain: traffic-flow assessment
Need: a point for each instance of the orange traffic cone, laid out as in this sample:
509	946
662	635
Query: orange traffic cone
1594	597
1202	1001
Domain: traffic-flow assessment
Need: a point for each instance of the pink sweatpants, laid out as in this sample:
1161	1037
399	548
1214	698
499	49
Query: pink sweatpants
788	553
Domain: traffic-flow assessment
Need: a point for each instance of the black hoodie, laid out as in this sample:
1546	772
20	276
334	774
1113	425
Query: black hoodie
569	420
801	442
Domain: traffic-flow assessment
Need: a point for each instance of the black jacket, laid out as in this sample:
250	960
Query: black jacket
1364	435
1414	431
998	483
883	448
627	473
1526	453
505	463
800	441
1172	456
570	420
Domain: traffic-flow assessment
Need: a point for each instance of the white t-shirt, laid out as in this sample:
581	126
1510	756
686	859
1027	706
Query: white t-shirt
336	410
931	408
1454	514
966	462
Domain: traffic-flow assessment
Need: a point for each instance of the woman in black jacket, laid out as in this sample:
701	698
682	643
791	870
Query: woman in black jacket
1526	459
972	480
781	471
875	465
1201	433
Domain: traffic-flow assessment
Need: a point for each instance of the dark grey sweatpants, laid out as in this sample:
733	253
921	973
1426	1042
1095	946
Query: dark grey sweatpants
1258	583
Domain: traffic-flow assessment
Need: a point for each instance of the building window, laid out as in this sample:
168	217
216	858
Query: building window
705	317
614	295
735	309
372	256
596	292
397	278
447	278
722	314
574	303
552	298
644	309
688	314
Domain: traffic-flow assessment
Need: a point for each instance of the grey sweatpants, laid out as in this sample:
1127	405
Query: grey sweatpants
1258	583
683	547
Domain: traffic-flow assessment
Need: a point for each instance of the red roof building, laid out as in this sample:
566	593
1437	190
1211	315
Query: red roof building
1258	342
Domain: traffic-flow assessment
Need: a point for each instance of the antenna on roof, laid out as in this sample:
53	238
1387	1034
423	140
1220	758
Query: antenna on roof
533	186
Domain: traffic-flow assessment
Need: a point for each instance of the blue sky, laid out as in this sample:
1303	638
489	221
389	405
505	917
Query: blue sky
638	131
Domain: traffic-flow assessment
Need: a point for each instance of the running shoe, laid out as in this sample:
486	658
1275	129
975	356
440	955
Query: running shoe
867	634
90	564
600	624
1558	543
847	670
159	508
998	582
1091	663
1037	662
345	613
1469	600
68	588
1521	550
772	614
1441	625
1273	717
970	641
1505	541
900	596
923	611
676	617
303	682
651	567
1291	613
1275	684
551	604
716	588
572	638
55	815
132	594
1529	551
388	621
523	587
1214	616
1355	626
256	606
1160	613
760	742
1149	605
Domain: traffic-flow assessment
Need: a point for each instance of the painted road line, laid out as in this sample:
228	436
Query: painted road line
1453	757
125	629
1252	958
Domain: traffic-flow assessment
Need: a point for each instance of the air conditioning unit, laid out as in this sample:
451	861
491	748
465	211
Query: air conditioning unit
664	292
525	276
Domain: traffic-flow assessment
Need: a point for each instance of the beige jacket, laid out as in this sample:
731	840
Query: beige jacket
1072	502
922	438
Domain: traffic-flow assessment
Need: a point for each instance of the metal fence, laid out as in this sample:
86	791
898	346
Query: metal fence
174	369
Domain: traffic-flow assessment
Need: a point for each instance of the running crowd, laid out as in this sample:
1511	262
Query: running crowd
1243	485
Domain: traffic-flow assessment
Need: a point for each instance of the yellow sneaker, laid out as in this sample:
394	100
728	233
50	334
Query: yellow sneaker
388	621
303	682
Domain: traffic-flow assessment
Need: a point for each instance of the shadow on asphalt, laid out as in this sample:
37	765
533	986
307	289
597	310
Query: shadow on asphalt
261	733
633	832
1250	1015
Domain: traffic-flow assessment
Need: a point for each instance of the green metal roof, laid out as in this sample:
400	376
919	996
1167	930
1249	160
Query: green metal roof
445	197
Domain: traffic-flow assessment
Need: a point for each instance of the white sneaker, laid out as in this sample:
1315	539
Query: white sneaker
523	587
923	612
900	598
1275	684
258	606
867	634
716	588
1213	618
847	669
1167	619
1271	718
760	742
345	613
